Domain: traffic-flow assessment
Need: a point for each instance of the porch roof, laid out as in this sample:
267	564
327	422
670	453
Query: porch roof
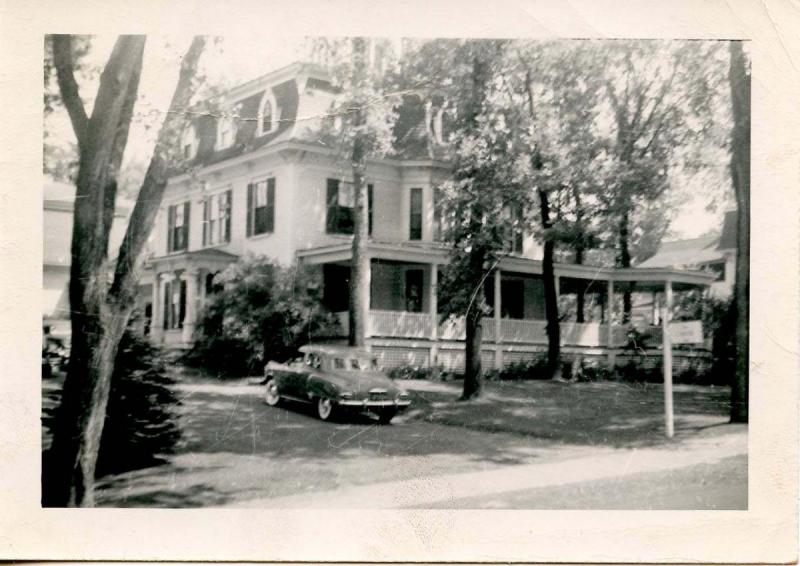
209	258
646	278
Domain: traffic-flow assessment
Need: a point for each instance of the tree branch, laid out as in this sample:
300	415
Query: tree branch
155	181
65	73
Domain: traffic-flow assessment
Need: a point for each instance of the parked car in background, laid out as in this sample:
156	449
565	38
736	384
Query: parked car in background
335	379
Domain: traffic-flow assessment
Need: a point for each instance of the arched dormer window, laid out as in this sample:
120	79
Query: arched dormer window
226	129
267	114
189	142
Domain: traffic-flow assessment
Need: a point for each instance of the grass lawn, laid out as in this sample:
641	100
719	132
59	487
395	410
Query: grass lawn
602	413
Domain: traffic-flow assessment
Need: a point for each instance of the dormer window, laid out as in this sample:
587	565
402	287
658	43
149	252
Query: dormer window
226	129
189	142
267	114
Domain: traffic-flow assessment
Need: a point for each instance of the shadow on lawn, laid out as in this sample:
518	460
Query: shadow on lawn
605	413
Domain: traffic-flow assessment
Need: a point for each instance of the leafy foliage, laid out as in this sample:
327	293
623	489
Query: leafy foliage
263	312
141	416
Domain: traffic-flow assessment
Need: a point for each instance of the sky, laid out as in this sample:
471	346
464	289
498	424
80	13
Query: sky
234	60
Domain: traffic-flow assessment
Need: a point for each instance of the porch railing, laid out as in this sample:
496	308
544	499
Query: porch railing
402	324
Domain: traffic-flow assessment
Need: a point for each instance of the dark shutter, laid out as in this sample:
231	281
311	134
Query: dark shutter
228	213
270	221
206	214
170	228
186	209
250	189
369	206
332	203
167	304
182	304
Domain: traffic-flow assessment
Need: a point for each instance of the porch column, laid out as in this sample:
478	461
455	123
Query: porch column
609	323
156	321
666	352
190	318
498	324
433	311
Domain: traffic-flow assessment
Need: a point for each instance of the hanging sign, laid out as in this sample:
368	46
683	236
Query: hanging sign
686	332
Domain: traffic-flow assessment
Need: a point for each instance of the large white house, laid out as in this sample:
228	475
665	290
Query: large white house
261	179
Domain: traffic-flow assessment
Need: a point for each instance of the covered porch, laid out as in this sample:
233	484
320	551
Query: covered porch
404	303
181	283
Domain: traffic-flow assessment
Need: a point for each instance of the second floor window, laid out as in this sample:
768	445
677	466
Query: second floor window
340	202
415	215
261	207
178	227
217	219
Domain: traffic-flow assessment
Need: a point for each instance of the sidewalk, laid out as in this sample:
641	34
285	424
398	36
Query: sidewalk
445	490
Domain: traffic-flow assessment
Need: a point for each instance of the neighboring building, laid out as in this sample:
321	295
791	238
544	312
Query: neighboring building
715	254
59	200
261	177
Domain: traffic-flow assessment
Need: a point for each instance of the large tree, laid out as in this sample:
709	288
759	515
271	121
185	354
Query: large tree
554	88
101	305
739	78
659	97
365	117
480	202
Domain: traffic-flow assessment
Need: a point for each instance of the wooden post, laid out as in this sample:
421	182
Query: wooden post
612	358
667	354
498	325
433	310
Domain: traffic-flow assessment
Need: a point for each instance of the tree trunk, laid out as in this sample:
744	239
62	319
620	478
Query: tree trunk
99	314
740	172
550	296
580	246
624	261
360	263
473	373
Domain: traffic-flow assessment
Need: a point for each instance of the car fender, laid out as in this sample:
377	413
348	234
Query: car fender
318	386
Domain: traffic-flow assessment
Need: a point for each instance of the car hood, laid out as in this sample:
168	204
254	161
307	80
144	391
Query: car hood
360	381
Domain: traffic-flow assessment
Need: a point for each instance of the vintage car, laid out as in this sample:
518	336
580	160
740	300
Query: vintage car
335	379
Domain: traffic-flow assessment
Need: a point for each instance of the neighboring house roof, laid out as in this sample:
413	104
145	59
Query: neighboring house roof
696	251
727	241
58	203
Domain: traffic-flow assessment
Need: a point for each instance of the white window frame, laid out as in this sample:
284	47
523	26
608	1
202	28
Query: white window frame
267	98
189	137
227	122
214	228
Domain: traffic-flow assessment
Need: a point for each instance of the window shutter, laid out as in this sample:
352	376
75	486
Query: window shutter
369	206
206	204
270	224
250	189
182	304
167	303
186	209
228	212
170	228
332	205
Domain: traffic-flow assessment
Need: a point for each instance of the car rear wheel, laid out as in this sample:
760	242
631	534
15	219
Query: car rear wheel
271	395
325	409
386	416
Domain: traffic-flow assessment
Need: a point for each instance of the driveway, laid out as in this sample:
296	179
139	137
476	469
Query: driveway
238	451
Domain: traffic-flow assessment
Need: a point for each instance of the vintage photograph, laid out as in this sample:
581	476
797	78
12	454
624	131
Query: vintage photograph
390	273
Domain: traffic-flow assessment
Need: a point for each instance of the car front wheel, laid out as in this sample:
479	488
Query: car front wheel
385	416
325	409
271	396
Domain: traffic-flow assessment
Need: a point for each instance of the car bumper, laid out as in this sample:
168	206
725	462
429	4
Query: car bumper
367	404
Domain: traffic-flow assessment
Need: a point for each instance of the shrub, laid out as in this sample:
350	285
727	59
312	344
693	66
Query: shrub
141	417
263	312
535	368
